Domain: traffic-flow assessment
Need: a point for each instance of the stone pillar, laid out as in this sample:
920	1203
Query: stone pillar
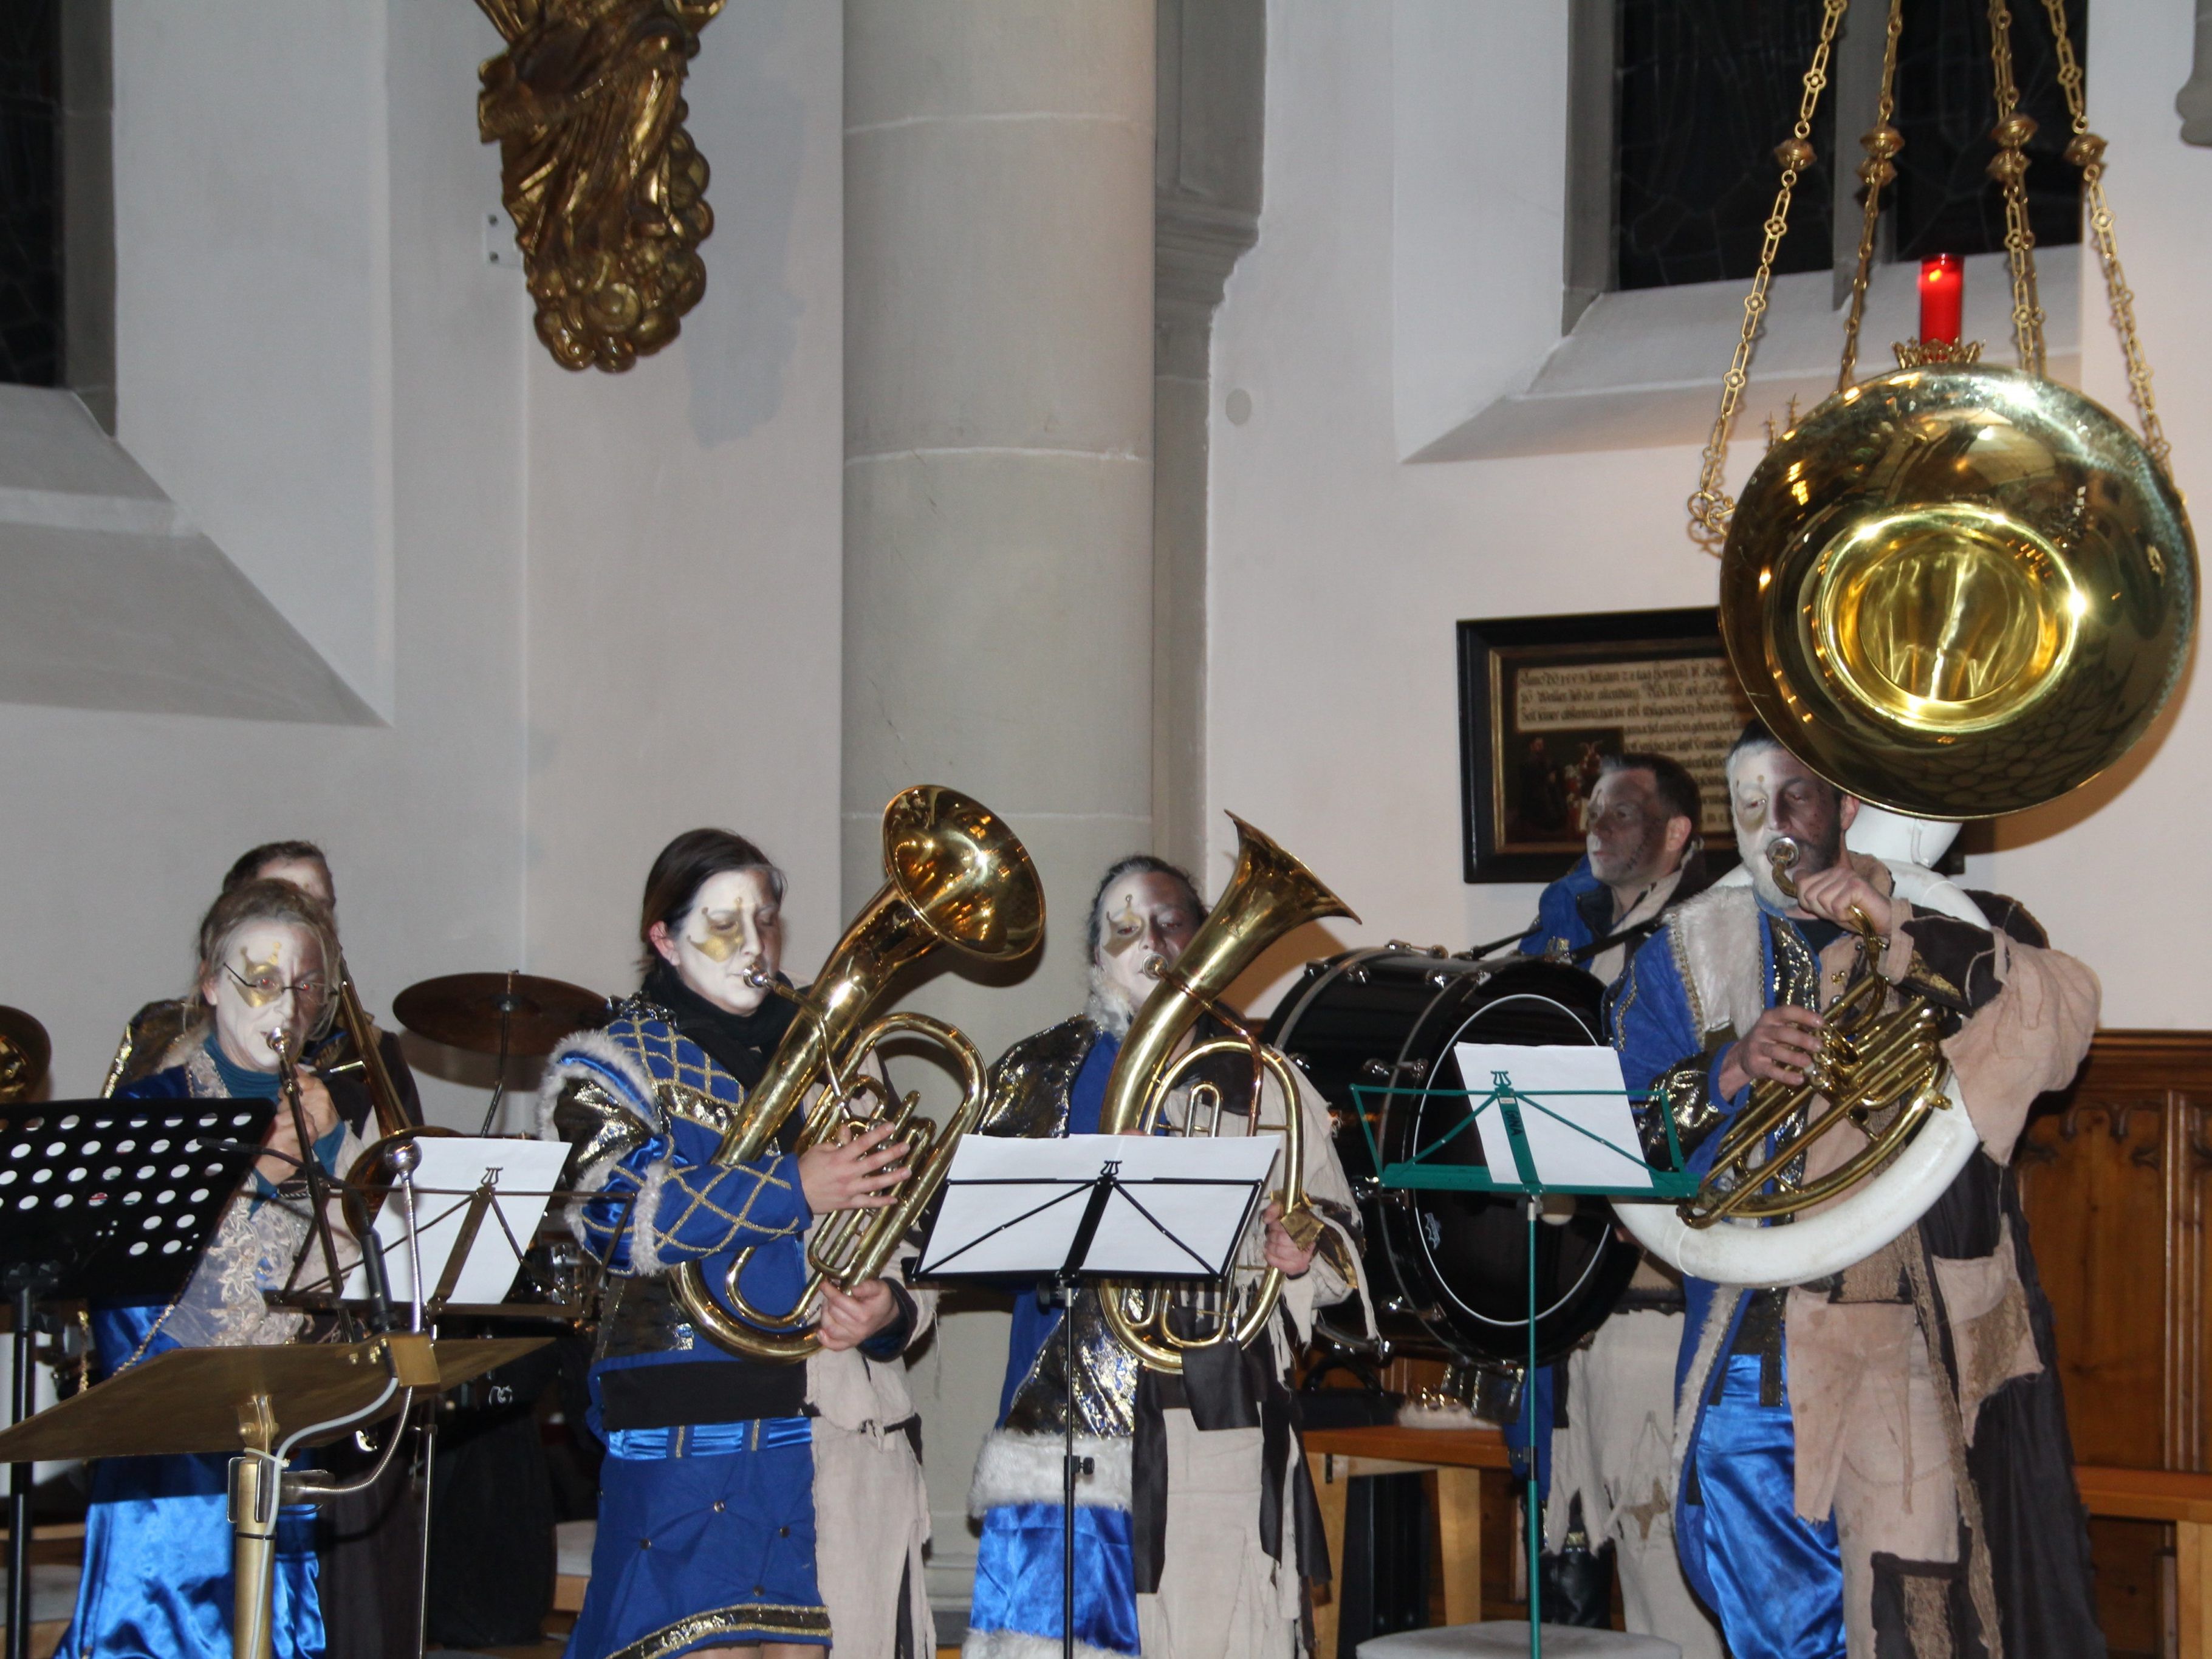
1212	83
998	498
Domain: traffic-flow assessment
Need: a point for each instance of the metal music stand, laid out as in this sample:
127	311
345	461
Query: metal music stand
1089	1207
1506	1114
258	1402
107	1201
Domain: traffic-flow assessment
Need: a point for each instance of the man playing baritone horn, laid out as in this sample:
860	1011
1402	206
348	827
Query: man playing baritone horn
1877	1462
1197	1532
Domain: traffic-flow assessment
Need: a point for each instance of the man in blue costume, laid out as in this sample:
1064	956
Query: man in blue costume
1876	1463
1641	828
1195	1534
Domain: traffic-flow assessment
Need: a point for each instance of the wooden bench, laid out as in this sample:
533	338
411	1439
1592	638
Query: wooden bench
1460	1456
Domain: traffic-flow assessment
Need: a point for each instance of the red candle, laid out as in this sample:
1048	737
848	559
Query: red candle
1942	296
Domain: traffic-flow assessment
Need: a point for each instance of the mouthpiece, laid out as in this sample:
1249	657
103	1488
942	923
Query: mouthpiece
760	979
1782	855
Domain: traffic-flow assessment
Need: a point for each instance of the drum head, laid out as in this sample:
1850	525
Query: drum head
1450	1271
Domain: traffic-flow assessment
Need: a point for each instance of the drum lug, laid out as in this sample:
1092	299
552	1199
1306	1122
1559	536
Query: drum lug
1376	1069
1416	1069
1355	975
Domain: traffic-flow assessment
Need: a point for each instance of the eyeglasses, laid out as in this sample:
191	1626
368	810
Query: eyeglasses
265	988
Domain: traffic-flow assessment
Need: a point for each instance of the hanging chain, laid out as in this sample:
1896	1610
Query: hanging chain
1711	507
1882	143
2008	166
2087	152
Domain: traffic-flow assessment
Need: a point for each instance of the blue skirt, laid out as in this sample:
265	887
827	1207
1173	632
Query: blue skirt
706	1539
1021	1582
157	1582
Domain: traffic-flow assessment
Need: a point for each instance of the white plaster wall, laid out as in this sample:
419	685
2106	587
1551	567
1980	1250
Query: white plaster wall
684	524
311	363
1338	571
260	131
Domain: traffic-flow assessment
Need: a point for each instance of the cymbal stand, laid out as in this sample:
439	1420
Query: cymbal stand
507	1003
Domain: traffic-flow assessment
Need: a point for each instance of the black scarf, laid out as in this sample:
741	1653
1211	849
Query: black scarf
740	1044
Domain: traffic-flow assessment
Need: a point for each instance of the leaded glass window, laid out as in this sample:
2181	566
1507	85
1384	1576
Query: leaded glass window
30	193
1704	89
1945	202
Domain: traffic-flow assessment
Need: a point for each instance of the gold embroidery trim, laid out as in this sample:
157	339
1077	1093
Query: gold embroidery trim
769	1618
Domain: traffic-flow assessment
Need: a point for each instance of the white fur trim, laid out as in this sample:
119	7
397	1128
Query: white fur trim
644	1236
1020	1644
1718	954
1026	1469
642	1098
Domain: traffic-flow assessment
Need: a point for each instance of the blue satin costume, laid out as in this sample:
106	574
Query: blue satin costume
1773	1580
705	1530
1018	1563
157	1581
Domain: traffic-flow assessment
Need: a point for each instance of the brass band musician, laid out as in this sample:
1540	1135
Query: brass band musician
1197	1534
157	1556
745	1504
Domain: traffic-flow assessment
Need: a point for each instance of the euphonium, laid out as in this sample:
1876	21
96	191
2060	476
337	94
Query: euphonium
956	875
1269	893
1869	1062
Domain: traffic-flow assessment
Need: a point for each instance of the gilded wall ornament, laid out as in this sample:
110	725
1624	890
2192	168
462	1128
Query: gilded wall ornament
607	190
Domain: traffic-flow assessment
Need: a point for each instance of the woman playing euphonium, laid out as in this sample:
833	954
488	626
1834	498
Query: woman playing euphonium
743	1504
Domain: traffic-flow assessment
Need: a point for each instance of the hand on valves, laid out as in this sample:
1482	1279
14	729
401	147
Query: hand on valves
854	1173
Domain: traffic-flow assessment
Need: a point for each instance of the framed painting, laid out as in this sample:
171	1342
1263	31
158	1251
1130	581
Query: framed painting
1543	699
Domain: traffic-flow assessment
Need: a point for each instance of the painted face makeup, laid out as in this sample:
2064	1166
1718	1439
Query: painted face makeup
1772	793
1147	916
1627	831
269	981
734	927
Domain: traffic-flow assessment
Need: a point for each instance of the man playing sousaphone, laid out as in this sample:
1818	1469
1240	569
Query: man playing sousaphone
1876	1462
1194	1538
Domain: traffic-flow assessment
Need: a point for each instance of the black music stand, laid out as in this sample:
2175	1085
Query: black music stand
1064	1210
108	1200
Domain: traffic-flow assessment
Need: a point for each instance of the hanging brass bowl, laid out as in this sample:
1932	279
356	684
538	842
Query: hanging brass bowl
1957	591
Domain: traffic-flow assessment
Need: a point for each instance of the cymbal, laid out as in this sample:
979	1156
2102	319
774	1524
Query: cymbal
464	1011
24	1052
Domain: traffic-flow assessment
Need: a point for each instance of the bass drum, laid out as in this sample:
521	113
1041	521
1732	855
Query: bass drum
1449	1271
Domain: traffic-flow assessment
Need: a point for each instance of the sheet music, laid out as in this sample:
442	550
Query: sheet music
1011	1206
1584	1136
523	1174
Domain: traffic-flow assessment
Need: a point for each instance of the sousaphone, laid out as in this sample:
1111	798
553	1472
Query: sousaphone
1955	590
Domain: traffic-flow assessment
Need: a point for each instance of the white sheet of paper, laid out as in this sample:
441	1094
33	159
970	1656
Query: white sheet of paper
523	1174
1013	1207
1556	1079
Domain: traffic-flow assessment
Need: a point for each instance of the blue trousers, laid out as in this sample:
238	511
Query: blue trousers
1775	1580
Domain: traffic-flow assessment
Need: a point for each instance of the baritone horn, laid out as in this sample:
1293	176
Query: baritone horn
1870	1063
956	875
1269	893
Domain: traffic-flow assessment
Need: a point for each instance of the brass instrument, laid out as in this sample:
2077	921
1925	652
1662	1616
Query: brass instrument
956	876
1869	1062
1957	591
1269	893
1953	590
24	1052
392	1113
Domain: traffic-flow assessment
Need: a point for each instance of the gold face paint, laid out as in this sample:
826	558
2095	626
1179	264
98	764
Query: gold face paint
725	932
1123	929
262	982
